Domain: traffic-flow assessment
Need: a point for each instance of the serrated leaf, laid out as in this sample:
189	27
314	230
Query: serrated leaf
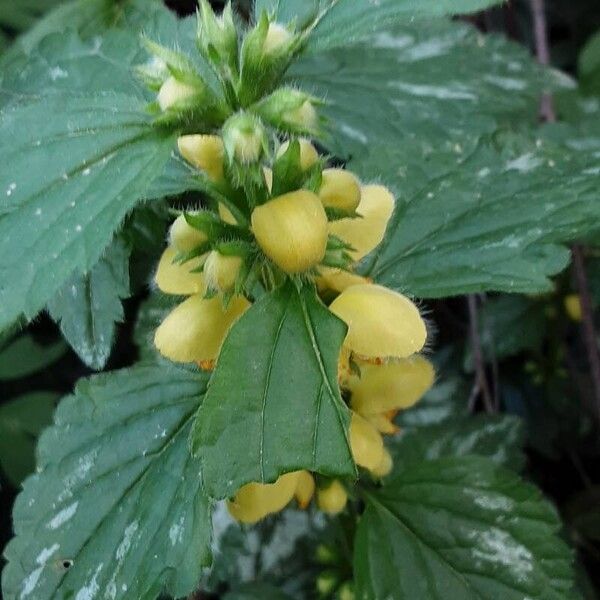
70	181
88	307
348	21
116	509
247	428
21	420
24	356
497	437
460	528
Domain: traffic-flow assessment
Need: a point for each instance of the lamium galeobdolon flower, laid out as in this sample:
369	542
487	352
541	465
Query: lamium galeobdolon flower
272	208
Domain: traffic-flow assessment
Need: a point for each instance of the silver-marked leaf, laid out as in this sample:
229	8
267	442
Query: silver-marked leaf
69	182
273	404
116	509
88	307
460	529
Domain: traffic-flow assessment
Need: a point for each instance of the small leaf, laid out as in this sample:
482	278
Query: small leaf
460	529
248	429
116	510
88	307
24	356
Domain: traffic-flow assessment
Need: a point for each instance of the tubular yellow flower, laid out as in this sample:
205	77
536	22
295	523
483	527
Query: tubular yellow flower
340	190
332	499
255	501
308	153
305	489
391	386
292	230
178	279
195	330
277	37
184	237
172	92
573	307
221	271
366	443
381	323
384	468
366	233
205	152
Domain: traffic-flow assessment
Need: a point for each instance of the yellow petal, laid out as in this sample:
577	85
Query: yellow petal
255	501
337	279
292	230
366	443
173	91
308	153
196	329
305	489
332	499
184	237
573	307
385	466
381	323
340	189
391	386
178	279
206	152
221	271
366	233
383	422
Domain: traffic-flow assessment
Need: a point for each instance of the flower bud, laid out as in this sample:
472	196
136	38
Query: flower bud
381	323
366	443
277	39
366	233
573	307
292	230
303	118
391	386
340	190
384	468
346	591
221	271
195	330
226	215
218	32
174	94
179	279
289	109
332	499
244	137
185	238
309	156
255	501
205	152
305	489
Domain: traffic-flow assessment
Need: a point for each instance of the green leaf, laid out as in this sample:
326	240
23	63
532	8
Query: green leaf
256	591
21	420
24	356
21	15
116	509
287	11
348	21
499	438
88	307
460	528
248	429
70	181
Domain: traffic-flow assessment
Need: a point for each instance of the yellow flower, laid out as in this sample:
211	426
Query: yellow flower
381	323
205	152
386	465
366	233
340	190
221	271
195	330
179	279
184	237
255	501
390	386
305	489
172	92
332	499
337	279
366	443
383	422
292	230
308	153
573	307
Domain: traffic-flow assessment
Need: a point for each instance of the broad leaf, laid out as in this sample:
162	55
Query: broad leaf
273	404
116	509
21	15
88	307
70	181
256	591
460	529
21	420
23	356
499	438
